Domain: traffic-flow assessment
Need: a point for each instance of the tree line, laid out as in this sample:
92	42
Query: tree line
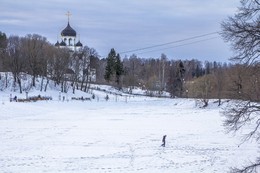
34	55
190	78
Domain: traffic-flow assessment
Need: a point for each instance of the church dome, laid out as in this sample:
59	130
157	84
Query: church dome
62	43
57	44
79	44
68	31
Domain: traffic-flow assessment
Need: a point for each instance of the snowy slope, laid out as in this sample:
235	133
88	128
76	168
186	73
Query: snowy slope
122	134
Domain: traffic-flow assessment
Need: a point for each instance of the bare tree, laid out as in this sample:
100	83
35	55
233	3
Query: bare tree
131	65
50	55
240	114
218	73
162	74
3	45
34	48
15	60
60	66
202	88
87	54
243	32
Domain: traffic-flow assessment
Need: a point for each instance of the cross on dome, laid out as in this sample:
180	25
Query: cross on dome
68	14
68	37
68	31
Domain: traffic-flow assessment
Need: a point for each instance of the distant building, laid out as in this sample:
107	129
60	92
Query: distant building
80	62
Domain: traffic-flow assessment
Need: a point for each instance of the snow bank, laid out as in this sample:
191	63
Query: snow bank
122	134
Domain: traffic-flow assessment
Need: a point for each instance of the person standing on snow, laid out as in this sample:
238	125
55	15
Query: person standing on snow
163	141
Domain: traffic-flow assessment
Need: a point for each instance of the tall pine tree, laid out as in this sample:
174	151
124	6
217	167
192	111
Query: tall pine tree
111	58
114	68
118	69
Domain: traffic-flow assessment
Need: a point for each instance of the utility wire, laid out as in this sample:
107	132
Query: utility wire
194	42
172	42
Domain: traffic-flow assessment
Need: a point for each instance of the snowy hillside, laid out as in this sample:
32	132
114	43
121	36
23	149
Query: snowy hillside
10	89
122	134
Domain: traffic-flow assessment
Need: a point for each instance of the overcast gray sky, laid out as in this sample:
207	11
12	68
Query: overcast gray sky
127	25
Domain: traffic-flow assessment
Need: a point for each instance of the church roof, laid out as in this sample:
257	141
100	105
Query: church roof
62	43
68	31
79	44
57	44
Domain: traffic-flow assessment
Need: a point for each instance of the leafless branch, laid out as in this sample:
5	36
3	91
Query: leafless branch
253	168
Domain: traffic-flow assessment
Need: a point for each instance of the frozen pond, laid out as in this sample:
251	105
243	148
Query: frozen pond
100	136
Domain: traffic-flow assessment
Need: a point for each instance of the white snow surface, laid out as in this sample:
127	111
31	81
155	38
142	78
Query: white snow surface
123	134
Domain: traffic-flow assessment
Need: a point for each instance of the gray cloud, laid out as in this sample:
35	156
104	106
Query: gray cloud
125	25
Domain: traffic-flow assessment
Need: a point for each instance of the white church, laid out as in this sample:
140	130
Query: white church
80	63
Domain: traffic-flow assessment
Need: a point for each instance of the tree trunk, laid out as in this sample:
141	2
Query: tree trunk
73	88
42	84
86	85
206	102
219	101
46	85
62	83
82	82
20	85
33	81
6	80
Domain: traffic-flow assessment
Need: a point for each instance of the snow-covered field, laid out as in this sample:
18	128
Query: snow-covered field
122	134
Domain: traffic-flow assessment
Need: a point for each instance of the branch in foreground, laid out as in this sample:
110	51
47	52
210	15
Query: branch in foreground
253	168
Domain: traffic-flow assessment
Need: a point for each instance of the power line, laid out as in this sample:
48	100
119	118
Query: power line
194	42
172	42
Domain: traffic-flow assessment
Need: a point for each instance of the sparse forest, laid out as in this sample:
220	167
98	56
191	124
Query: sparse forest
34	55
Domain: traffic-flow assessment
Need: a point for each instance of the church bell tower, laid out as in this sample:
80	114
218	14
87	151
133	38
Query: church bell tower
68	38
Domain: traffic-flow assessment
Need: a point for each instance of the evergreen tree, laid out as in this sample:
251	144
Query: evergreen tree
118	68
3	41
175	84
179	79
114	67
111	59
